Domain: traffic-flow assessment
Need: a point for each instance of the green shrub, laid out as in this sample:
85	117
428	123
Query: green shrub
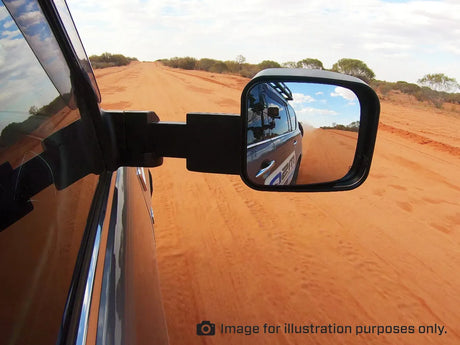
233	66
219	67
354	67
268	64
310	63
383	87
184	62
249	70
109	60
349	66
205	64
427	94
406	87
453	98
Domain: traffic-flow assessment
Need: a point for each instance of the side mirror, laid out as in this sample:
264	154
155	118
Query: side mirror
307	130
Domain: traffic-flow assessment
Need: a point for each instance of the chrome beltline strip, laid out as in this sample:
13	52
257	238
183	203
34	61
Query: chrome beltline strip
84	316
110	327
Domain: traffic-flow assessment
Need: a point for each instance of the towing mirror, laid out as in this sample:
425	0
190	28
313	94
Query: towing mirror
299	130
322	137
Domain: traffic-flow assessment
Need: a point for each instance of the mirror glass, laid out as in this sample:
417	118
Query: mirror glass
300	133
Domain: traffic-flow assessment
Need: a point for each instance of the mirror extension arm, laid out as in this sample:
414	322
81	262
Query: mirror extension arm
209	142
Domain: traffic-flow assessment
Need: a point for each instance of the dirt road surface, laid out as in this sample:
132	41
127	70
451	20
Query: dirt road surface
327	155
385	254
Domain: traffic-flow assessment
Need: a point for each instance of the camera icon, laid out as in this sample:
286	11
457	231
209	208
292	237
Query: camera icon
205	328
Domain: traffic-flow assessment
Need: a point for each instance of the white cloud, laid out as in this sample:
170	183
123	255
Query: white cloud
3	13
315	111
300	99
8	35
389	47
344	93
30	18
16	3
315	117
393	39
8	25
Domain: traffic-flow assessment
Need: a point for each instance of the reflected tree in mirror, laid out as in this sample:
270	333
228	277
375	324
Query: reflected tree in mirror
300	133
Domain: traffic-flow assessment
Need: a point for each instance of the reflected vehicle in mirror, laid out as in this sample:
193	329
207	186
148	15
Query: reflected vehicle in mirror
274	136
304	131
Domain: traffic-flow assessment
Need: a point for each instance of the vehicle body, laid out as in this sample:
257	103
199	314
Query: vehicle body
274	136
77	249
70	253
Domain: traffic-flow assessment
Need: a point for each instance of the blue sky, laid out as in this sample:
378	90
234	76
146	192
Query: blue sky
399	40
322	105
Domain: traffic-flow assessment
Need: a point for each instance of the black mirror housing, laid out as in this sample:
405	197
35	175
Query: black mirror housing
278	81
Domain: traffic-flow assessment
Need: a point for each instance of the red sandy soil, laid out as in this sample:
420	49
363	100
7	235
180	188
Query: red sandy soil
327	154
386	253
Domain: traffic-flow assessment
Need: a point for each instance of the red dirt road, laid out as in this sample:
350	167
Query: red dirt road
384	254
327	155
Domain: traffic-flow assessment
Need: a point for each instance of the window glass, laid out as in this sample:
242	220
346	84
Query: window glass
32	107
263	124
69	25
257	119
31	22
281	122
39	235
293	117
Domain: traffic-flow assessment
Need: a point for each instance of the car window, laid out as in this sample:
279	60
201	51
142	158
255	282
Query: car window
71	30
32	105
293	117
261	126
281	122
40	236
258	121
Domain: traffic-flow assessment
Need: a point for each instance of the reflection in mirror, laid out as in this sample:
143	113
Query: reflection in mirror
300	133
41	227
31	106
35	30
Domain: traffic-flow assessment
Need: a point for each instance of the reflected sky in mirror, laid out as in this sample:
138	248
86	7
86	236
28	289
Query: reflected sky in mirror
31	21
29	98
330	116
320	105
24	83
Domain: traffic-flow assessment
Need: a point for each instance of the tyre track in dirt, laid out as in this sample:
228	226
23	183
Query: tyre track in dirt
420	139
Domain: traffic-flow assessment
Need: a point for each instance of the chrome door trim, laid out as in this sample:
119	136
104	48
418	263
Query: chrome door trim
86	304
109	325
75	315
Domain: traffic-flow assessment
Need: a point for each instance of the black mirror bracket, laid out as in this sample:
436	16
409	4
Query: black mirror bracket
209	142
